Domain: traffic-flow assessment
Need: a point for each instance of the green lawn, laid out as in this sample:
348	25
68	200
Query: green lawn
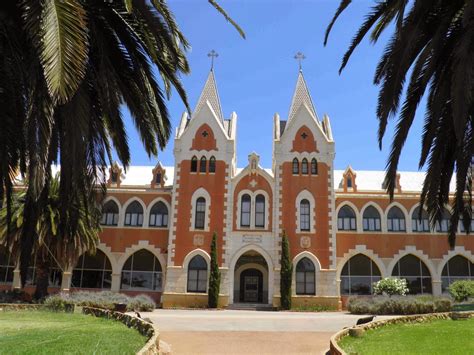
436	337
41	332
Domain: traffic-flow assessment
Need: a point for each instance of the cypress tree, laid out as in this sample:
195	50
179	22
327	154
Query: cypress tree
286	274
215	276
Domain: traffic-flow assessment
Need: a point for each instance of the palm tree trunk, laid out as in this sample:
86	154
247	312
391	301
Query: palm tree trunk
42	277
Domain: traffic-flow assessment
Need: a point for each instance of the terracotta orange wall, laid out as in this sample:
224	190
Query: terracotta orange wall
386	245
304	145
262	184
120	238
200	142
292	185
214	184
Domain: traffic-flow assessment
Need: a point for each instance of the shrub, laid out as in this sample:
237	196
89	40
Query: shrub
462	290
142	303
58	302
390	286
215	276
286	274
103	299
398	305
13	296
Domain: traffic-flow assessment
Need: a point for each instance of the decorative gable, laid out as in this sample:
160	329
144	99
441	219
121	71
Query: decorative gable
304	141
159	176
204	139
349	180
115	175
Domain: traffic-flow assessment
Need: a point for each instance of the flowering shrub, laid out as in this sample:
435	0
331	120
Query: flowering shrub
389	286
462	290
398	305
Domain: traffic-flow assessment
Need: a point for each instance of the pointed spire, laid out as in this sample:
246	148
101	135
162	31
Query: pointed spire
210	94
301	96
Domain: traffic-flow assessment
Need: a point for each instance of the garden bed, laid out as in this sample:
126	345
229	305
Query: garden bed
42	332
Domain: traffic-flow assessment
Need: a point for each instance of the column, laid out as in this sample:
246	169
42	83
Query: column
16	285
436	284
66	282
115	287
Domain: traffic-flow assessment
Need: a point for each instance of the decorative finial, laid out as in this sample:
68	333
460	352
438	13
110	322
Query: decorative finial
212	54
299	57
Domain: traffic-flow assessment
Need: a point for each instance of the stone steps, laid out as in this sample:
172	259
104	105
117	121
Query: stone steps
251	307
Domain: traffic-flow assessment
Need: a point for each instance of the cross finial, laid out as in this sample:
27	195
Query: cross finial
212	54
300	57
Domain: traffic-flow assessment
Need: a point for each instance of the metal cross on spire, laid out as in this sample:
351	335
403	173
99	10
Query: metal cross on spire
299	57
212	54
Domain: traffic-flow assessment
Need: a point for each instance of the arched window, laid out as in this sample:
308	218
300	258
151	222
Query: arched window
260	211
92	271
443	225
110	213
200	217
7	266
142	271
245	210
305	220
197	275
159	215
158	178
202	165
396	220
314	167
457	268
415	272
349	182
194	164
371	219
134	215
296	166
305	277
212	165
358	275
417	224
346	219
304	166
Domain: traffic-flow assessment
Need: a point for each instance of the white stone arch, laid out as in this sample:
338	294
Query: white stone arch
383	226
142	244
146	216
404	211
124	211
270	266
200	192
356	211
360	249
458	250
187	260
260	171
410	249
121	212
317	269
306	195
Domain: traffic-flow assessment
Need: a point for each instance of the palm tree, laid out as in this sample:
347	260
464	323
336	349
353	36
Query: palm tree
67	67
51	245
431	42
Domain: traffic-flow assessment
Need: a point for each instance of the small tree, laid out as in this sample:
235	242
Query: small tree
461	290
286	273
215	277
390	286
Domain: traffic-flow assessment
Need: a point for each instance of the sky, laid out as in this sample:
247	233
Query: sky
256	77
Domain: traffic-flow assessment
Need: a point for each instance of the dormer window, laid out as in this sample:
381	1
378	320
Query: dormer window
114	175
349	182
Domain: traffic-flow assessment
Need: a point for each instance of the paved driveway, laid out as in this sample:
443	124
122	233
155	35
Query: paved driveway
248	332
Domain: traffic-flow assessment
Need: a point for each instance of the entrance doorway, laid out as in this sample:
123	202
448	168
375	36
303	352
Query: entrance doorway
250	283
251	286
